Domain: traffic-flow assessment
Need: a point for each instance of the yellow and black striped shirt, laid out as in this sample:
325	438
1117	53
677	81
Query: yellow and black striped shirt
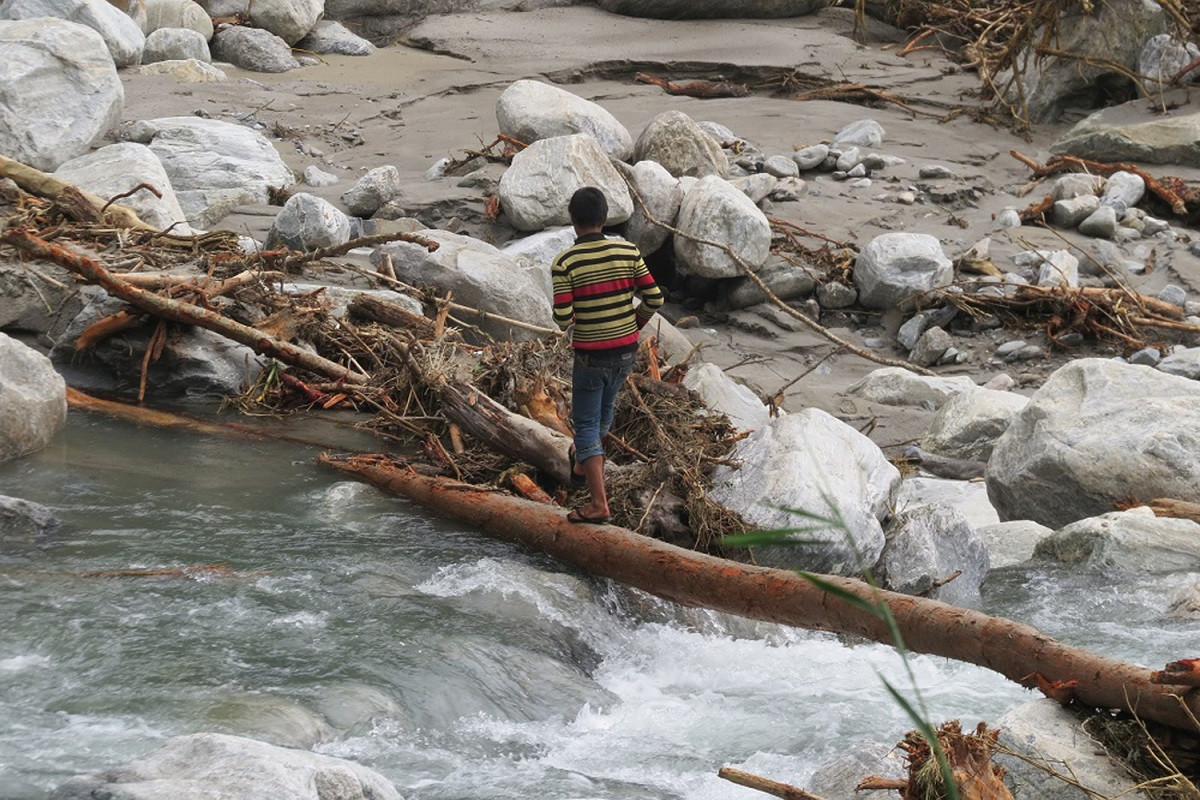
595	281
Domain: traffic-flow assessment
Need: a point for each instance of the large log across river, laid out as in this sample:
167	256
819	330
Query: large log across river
1017	651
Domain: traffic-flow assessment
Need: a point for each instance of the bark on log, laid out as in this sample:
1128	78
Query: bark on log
1180	509
1013	649
176	311
765	785
43	185
364	306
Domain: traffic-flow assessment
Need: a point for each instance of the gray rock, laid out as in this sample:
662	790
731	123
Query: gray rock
1069	213
810	461
724	395
30	304
661	195
788	190
862	133
1101	223
23	522
835	294
329	37
1052	83
1050	736
1184	363
316	177
217	765
370	192
1075	184
214	166
175	44
1011	543
1132	541
937	172
1163	57
1186	603
531	110
536	253
1008	218
930	348
121	35
835	779
674	140
712	9
896	386
1112	135
1146	357
969	424
307	222
1174	294
911	330
535	190
964	496
479	275
781	167
811	157
757	186
849	159
33	400
895	266
290	20
786	280
1095	434
723	134
178	14
118	168
1126	187
182	71
928	544
253	49
60	93
1056	267
716	211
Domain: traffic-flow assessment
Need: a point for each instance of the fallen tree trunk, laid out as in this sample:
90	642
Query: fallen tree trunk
1015	650
176	311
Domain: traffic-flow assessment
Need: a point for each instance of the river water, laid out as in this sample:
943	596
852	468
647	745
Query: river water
356	624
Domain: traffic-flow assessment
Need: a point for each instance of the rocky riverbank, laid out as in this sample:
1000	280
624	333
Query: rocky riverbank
902	229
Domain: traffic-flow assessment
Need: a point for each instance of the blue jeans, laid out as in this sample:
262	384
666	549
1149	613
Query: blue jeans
595	380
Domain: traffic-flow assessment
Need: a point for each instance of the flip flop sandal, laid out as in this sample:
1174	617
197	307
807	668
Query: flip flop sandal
577	516
577	481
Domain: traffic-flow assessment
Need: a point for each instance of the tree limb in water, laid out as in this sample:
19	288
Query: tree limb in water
1010	648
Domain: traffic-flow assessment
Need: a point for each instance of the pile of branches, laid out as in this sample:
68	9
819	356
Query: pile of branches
384	359
993	36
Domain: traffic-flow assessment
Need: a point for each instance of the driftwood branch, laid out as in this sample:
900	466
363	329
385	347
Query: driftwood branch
1010	648
43	185
176	311
761	784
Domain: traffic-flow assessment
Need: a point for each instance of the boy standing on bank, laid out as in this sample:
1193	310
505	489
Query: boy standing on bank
595	281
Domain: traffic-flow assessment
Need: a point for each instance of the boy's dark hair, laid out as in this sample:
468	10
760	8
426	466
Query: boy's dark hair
588	208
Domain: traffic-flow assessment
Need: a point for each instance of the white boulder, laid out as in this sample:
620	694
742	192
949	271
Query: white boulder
175	44
1135	541
217	765
661	195
723	394
927	545
290	20
896	386
812	462
895	266
968	498
478	274
253	49
715	211
188	70
33	399
537	251
1096	434
59	91
674	140
1184	363
535	190
118	168
370	192
1013	542
121	35
308	222
178	14
968	424
331	37
531	110
214	166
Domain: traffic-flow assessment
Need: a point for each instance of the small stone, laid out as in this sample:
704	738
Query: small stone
811	157
317	177
859	171
906	198
1153	225
1057	268
930	348
836	295
1124	234
1101	224
838	175
1074	185
937	172
1146	357
1008	218
849	159
1173	294
780	167
1069	213
1126	187
788	190
873	161
372	190
1001	382
1008	348
1028	352
438	170
862	183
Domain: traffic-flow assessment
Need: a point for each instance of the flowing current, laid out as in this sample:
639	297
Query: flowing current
356	624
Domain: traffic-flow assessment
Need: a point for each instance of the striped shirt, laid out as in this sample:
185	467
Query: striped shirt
594	283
